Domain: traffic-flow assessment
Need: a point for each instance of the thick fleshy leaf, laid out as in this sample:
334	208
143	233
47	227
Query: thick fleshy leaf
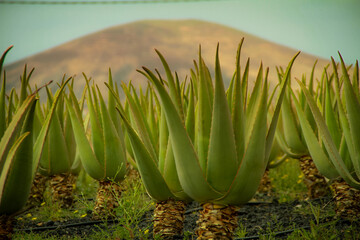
14	128
151	117
171	176
252	106
230	90
274	120
174	90
330	116
222	157
191	177
237	109
153	181
291	132
190	114
14	191
302	100
203	117
356	79
112	107
353	113
2	108
69	136
163	141
19	176
24	84
284	147
244	83
2	59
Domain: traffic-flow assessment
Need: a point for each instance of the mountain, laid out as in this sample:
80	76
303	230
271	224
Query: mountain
128	47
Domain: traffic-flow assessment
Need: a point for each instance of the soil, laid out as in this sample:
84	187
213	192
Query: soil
259	217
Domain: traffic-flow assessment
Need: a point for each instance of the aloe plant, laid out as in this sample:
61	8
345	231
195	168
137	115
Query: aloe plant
104	159
57	161
292	142
19	155
335	149
151	146
222	167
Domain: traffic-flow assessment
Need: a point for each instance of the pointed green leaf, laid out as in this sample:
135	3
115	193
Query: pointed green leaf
253	164
222	157
2	108
253	103
153	181
291	132
203	117
2	59
274	120
190	114
13	191
174	91
330	117
353	113
14	128
171	176
163	141
237	109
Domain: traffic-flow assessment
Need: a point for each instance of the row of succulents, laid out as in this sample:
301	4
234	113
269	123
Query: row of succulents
190	140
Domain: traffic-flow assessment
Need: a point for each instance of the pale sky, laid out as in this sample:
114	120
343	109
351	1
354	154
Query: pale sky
318	27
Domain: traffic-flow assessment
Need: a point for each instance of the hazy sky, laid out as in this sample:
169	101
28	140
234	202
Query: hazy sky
319	27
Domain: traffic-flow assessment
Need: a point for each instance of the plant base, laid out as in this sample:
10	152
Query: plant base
131	177
169	218
347	200
314	181
265	184
62	186
106	199
216	222
6	227
37	190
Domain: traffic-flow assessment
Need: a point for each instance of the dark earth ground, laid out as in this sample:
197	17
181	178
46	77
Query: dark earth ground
261	217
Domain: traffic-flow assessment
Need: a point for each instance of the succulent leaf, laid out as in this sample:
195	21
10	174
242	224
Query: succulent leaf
152	178
222	160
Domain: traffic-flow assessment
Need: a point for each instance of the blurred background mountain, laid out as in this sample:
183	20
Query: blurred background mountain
128	47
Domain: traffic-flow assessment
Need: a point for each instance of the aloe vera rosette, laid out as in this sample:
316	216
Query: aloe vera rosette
335	150
58	158
152	149
104	159
223	167
19	156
